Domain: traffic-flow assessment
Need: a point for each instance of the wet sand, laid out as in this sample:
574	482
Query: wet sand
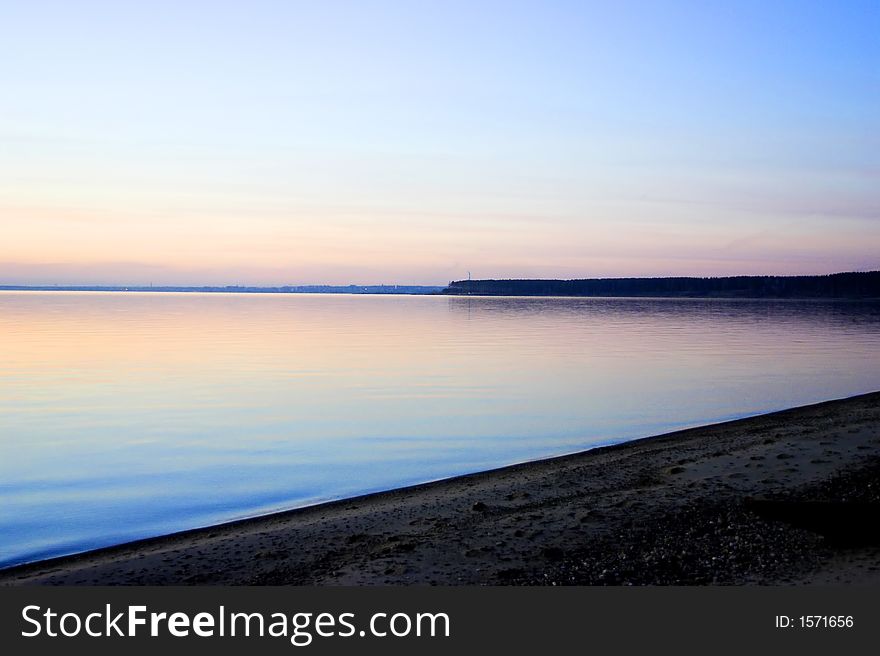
790	497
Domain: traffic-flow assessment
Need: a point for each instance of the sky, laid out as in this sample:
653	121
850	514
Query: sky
282	142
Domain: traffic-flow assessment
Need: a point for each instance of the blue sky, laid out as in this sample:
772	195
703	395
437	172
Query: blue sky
290	142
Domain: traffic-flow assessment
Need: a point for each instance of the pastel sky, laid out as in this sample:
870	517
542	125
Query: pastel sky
281	142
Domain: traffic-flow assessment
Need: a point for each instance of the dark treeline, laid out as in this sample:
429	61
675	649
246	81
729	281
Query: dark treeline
837	285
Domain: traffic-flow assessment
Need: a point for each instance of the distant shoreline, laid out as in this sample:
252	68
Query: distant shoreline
850	285
785	497
846	286
237	289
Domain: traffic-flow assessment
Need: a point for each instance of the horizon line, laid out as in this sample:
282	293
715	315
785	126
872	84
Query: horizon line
178	287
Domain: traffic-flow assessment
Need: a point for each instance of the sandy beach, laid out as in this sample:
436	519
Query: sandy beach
785	498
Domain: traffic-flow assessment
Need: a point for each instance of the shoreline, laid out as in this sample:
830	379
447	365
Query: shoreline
693	506
457	295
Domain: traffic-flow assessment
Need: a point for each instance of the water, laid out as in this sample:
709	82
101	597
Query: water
130	415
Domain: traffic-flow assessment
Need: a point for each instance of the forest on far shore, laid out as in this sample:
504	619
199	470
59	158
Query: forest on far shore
837	285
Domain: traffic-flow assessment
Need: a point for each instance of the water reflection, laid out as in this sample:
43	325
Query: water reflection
126	415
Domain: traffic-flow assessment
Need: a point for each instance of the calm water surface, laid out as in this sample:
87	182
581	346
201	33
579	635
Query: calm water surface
129	415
